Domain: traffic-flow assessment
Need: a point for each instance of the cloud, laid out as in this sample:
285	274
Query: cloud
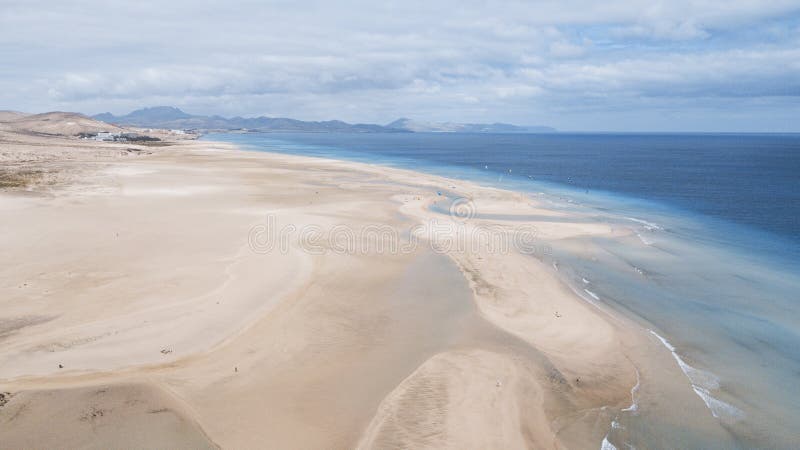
565	49
372	61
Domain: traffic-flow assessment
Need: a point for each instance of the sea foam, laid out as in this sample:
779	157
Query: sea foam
634	391
606	445
703	382
649	226
594	296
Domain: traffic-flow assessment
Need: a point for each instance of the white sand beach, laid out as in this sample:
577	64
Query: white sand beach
142	306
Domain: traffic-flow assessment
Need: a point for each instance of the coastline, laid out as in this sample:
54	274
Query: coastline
300	348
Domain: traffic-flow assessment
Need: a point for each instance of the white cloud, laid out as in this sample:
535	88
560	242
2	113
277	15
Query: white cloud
565	49
371	61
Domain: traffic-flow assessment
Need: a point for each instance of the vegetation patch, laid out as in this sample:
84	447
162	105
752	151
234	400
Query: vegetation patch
11	178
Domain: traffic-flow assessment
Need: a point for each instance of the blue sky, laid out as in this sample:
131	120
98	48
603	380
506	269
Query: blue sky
576	65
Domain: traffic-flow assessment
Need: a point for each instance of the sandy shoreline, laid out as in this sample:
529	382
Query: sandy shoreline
151	274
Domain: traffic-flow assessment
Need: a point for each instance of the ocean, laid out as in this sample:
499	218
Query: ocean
718	285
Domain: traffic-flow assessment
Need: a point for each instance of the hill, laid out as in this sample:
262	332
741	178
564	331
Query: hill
8	116
54	123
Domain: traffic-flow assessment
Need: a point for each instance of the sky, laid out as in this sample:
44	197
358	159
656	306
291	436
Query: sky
615	65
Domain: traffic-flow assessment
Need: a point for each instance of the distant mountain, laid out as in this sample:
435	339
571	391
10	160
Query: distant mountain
174	118
145	116
449	127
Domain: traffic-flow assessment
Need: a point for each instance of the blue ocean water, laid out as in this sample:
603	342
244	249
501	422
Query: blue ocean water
719	278
751	179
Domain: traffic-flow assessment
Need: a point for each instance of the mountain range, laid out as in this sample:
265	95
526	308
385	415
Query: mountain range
174	118
451	127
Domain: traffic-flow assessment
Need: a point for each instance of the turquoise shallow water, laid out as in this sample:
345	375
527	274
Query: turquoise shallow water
716	279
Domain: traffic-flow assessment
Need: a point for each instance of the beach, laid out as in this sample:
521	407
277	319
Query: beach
199	295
